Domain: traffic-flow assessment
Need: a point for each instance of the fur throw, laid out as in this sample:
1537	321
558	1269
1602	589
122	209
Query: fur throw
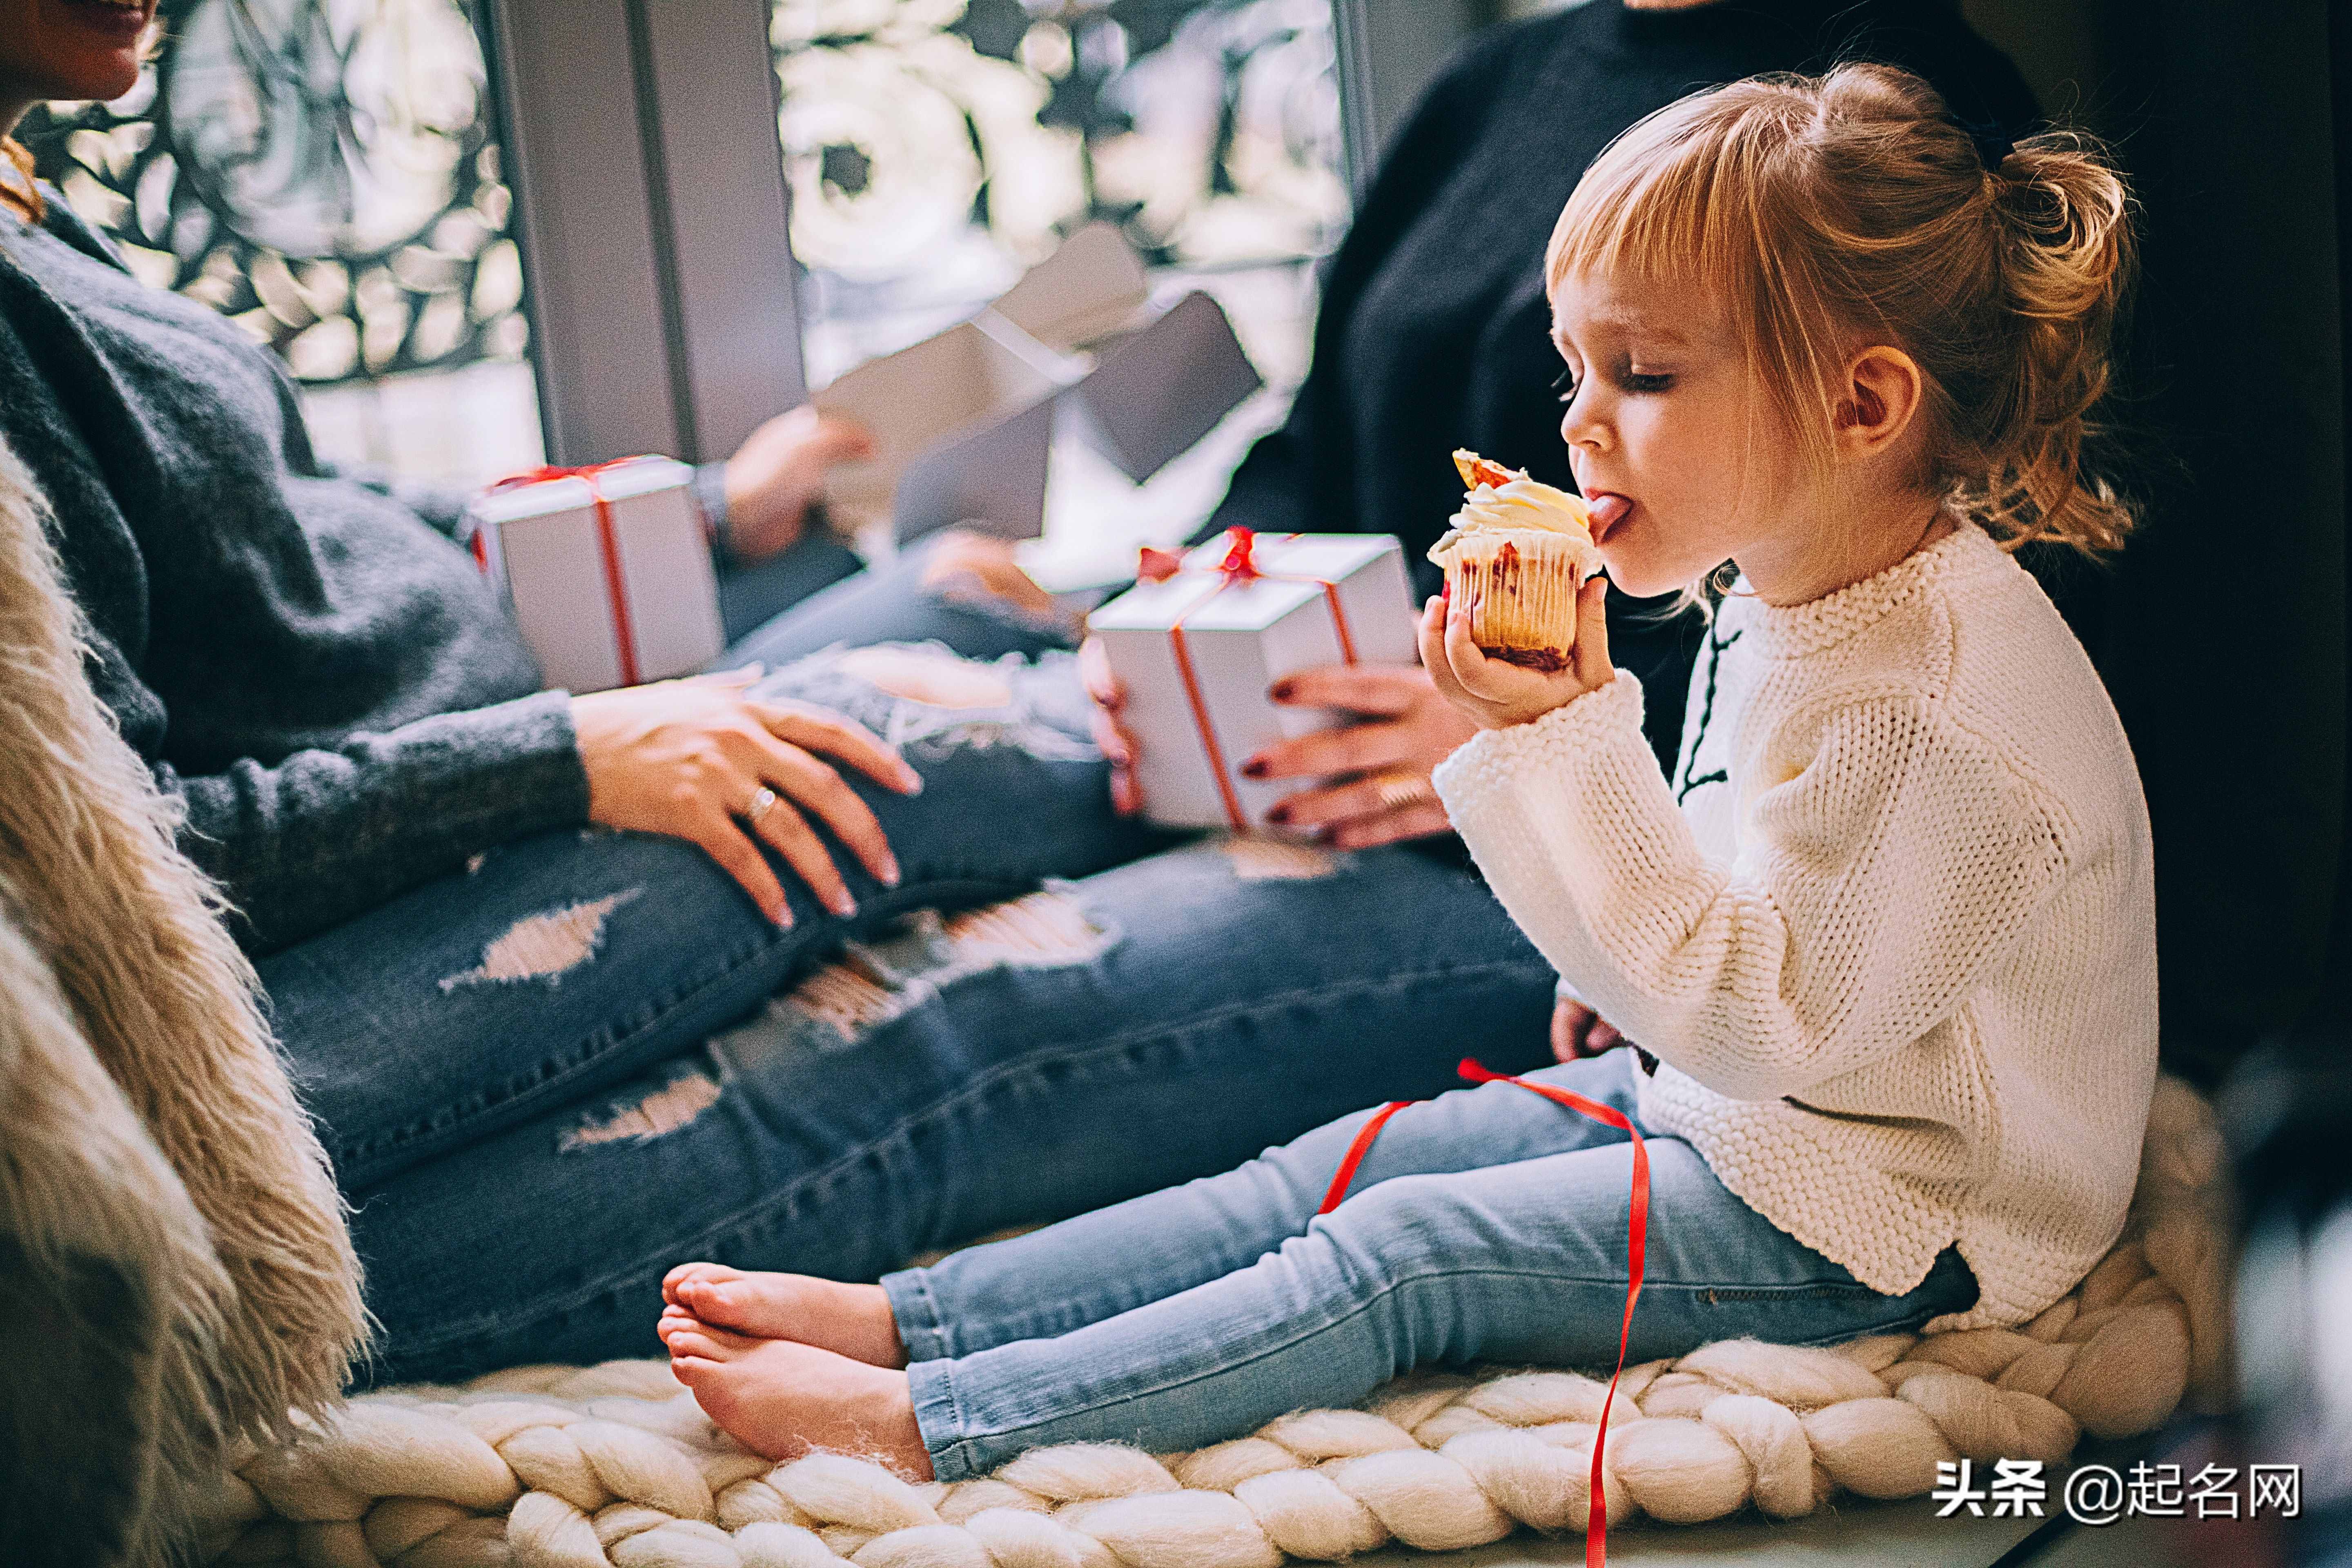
176	1276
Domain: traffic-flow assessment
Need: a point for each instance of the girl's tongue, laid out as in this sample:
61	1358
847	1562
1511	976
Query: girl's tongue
1607	511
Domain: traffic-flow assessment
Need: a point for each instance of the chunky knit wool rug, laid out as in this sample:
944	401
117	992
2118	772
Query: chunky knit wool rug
614	1467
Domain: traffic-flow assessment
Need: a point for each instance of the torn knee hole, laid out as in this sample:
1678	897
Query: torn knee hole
544	946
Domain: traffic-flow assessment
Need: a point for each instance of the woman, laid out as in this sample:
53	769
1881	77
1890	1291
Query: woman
504	1016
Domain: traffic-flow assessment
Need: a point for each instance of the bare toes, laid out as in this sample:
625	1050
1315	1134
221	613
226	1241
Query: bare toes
684	1272
712	1344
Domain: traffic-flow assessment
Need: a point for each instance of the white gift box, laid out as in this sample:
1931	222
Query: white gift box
1198	650
963	421
608	570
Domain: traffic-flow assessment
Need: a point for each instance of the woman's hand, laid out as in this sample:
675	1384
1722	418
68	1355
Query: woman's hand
1113	738
779	472
966	566
1496	693
1577	1031
1373	777
690	758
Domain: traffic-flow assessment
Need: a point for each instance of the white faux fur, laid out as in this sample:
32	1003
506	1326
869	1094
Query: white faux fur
172	1237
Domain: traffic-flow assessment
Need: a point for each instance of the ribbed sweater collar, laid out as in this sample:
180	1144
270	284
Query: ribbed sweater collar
1796	631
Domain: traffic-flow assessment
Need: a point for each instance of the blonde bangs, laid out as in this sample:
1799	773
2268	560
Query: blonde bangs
1696	197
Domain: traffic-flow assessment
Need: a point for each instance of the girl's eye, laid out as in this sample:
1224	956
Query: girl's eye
1564	383
1656	381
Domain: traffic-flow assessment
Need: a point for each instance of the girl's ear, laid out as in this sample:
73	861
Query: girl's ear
1878	402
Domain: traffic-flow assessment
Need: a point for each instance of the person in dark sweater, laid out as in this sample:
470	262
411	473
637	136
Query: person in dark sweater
529	1040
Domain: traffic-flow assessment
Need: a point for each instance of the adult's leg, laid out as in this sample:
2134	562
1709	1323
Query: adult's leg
562	964
1519	1262
890	602
1098	1039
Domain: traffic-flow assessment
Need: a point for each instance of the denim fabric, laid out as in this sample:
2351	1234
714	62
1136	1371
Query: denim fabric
588	1058
561	963
1489	1224
1102	1038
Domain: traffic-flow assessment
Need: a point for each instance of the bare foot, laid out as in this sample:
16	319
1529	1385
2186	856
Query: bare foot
782	1399
853	1321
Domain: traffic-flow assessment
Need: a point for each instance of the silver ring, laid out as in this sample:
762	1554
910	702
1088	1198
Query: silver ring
1399	790
763	801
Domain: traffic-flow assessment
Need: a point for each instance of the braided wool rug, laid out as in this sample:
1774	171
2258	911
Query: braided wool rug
614	1467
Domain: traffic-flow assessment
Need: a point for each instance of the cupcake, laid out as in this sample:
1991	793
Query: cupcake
1515	557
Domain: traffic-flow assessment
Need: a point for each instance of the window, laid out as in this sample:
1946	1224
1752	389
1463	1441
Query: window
324	173
935	148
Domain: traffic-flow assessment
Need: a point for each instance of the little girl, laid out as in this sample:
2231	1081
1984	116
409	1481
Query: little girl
1886	938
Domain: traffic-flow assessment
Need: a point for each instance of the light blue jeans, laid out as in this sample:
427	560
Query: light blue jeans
1488	1224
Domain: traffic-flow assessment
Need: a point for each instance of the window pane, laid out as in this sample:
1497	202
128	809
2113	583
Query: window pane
935	148
324	173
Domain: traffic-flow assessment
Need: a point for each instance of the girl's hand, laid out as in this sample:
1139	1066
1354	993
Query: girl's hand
690	758
1496	693
778	473
1373	777
1115	739
1577	1031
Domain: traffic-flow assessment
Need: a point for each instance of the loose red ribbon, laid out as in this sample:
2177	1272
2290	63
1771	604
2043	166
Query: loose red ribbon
1637	1231
608	541
1240	565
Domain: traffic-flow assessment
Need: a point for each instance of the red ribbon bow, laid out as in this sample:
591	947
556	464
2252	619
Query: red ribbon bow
1240	565
608	542
1637	1231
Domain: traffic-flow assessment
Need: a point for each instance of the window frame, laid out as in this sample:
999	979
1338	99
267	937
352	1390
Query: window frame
665	314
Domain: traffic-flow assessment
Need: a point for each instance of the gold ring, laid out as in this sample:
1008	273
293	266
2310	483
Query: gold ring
1399	790
763	802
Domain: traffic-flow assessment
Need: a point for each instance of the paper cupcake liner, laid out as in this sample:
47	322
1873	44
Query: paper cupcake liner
1520	591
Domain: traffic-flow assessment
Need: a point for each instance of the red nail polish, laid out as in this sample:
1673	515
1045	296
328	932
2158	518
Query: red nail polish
1253	769
1282	689
1279	815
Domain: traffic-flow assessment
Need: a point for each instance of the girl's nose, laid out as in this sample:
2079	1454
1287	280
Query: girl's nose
1578	428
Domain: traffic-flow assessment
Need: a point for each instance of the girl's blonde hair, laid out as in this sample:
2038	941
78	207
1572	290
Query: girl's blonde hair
1814	207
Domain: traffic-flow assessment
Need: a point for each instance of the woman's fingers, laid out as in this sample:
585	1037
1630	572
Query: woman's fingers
1093	672
1346	802
1376	744
1419	820
812	784
1374	690
817	729
706	824
784	830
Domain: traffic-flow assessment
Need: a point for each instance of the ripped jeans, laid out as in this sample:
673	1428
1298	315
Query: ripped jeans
547	1080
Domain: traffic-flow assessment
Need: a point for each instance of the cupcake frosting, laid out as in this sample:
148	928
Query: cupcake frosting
1517	505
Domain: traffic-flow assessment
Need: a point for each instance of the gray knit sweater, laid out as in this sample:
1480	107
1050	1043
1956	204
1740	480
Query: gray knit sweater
308	662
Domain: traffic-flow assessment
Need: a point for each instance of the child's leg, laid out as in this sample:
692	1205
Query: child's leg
1114	1259
1516	1263
1524	1262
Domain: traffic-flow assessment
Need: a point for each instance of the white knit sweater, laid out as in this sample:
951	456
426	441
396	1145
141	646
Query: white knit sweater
1890	932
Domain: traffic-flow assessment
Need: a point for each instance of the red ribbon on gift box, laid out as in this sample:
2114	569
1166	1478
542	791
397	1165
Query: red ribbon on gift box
1637	1235
1240	565
608	542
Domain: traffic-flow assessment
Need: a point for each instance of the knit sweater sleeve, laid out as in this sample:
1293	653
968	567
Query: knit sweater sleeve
316	836
1876	882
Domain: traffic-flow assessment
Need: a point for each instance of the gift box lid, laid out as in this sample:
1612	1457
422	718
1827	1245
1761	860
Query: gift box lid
1292	570
553	497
